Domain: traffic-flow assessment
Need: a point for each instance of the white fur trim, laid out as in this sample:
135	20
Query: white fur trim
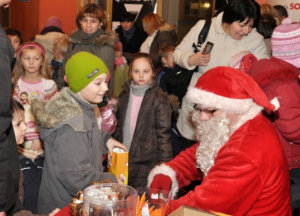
209	99
251	114
165	170
276	103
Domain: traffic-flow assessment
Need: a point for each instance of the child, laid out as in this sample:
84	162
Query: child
15	38
72	140
60	47
144	121
31	172
31	169
174	80
121	70
31	78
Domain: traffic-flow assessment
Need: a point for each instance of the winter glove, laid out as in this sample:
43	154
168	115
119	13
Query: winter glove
160	183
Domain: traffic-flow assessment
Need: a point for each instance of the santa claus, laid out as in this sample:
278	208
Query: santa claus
238	157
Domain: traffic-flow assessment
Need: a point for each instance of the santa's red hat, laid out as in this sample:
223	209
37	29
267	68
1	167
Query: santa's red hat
229	89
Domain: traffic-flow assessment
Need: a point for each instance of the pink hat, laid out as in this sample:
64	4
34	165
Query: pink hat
286	42
229	89
53	21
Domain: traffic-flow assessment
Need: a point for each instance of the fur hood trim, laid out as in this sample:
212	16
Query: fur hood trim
108	38
98	38
60	108
167	27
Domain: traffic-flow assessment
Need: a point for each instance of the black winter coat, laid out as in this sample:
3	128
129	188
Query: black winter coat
133	45
151	142
9	164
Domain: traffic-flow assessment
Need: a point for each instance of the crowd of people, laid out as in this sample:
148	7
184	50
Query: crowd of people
217	130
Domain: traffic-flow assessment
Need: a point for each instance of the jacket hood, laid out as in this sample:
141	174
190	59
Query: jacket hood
59	109
98	38
167	27
267	71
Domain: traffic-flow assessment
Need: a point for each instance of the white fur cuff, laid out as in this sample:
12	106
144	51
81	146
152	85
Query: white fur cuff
165	170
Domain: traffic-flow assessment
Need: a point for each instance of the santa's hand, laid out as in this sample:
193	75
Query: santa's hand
161	184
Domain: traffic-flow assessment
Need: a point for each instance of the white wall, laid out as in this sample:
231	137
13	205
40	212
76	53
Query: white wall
292	6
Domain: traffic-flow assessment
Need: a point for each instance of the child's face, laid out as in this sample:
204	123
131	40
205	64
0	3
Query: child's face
19	126
31	60
141	72
168	61
95	90
15	41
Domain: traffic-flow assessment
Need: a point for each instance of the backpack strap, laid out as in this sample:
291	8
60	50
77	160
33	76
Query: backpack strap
202	36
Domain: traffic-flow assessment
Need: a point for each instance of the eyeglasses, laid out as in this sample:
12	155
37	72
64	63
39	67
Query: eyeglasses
207	111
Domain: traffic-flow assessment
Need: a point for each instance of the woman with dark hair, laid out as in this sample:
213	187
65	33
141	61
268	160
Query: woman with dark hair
91	22
231	32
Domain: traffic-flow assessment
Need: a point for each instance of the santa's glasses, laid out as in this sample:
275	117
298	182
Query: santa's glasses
207	111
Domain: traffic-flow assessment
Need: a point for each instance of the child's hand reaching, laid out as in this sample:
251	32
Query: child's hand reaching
112	143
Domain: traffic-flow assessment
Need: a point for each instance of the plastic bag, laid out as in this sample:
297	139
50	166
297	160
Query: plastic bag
108	114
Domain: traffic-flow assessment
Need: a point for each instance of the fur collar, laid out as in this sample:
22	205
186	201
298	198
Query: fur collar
56	111
98	38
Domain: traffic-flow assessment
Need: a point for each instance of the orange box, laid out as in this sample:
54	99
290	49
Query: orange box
118	164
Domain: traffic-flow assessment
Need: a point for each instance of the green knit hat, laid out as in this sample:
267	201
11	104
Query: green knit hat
82	68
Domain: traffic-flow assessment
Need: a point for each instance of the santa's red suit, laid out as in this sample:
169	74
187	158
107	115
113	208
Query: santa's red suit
249	176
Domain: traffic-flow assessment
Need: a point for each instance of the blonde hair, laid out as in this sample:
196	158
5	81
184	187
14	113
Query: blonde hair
19	69
61	44
152	22
267	9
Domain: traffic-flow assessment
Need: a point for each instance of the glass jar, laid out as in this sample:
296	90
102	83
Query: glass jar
111	199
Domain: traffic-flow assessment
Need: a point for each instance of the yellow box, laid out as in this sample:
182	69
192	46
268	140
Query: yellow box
118	165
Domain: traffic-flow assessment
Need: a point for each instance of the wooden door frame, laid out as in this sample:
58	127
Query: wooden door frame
81	3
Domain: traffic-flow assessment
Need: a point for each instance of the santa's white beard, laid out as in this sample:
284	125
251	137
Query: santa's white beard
212	135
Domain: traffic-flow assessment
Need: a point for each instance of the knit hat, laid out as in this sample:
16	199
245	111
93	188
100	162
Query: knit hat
286	42
229	89
53	21
82	68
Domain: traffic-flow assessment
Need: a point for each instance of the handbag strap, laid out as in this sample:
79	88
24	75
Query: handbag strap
202	36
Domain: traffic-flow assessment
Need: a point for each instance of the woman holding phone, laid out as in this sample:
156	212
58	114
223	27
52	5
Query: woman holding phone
231	32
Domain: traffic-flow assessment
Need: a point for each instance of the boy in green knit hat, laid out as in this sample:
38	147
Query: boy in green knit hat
72	140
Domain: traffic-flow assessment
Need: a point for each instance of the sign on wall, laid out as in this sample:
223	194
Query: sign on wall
138	7
292	6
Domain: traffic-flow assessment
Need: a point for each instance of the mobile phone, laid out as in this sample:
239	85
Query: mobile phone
208	47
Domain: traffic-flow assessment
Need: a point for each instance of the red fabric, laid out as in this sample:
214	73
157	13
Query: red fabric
233	84
279	79
64	212
157	186
250	175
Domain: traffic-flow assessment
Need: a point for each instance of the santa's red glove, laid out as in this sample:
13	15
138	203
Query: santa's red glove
160	183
